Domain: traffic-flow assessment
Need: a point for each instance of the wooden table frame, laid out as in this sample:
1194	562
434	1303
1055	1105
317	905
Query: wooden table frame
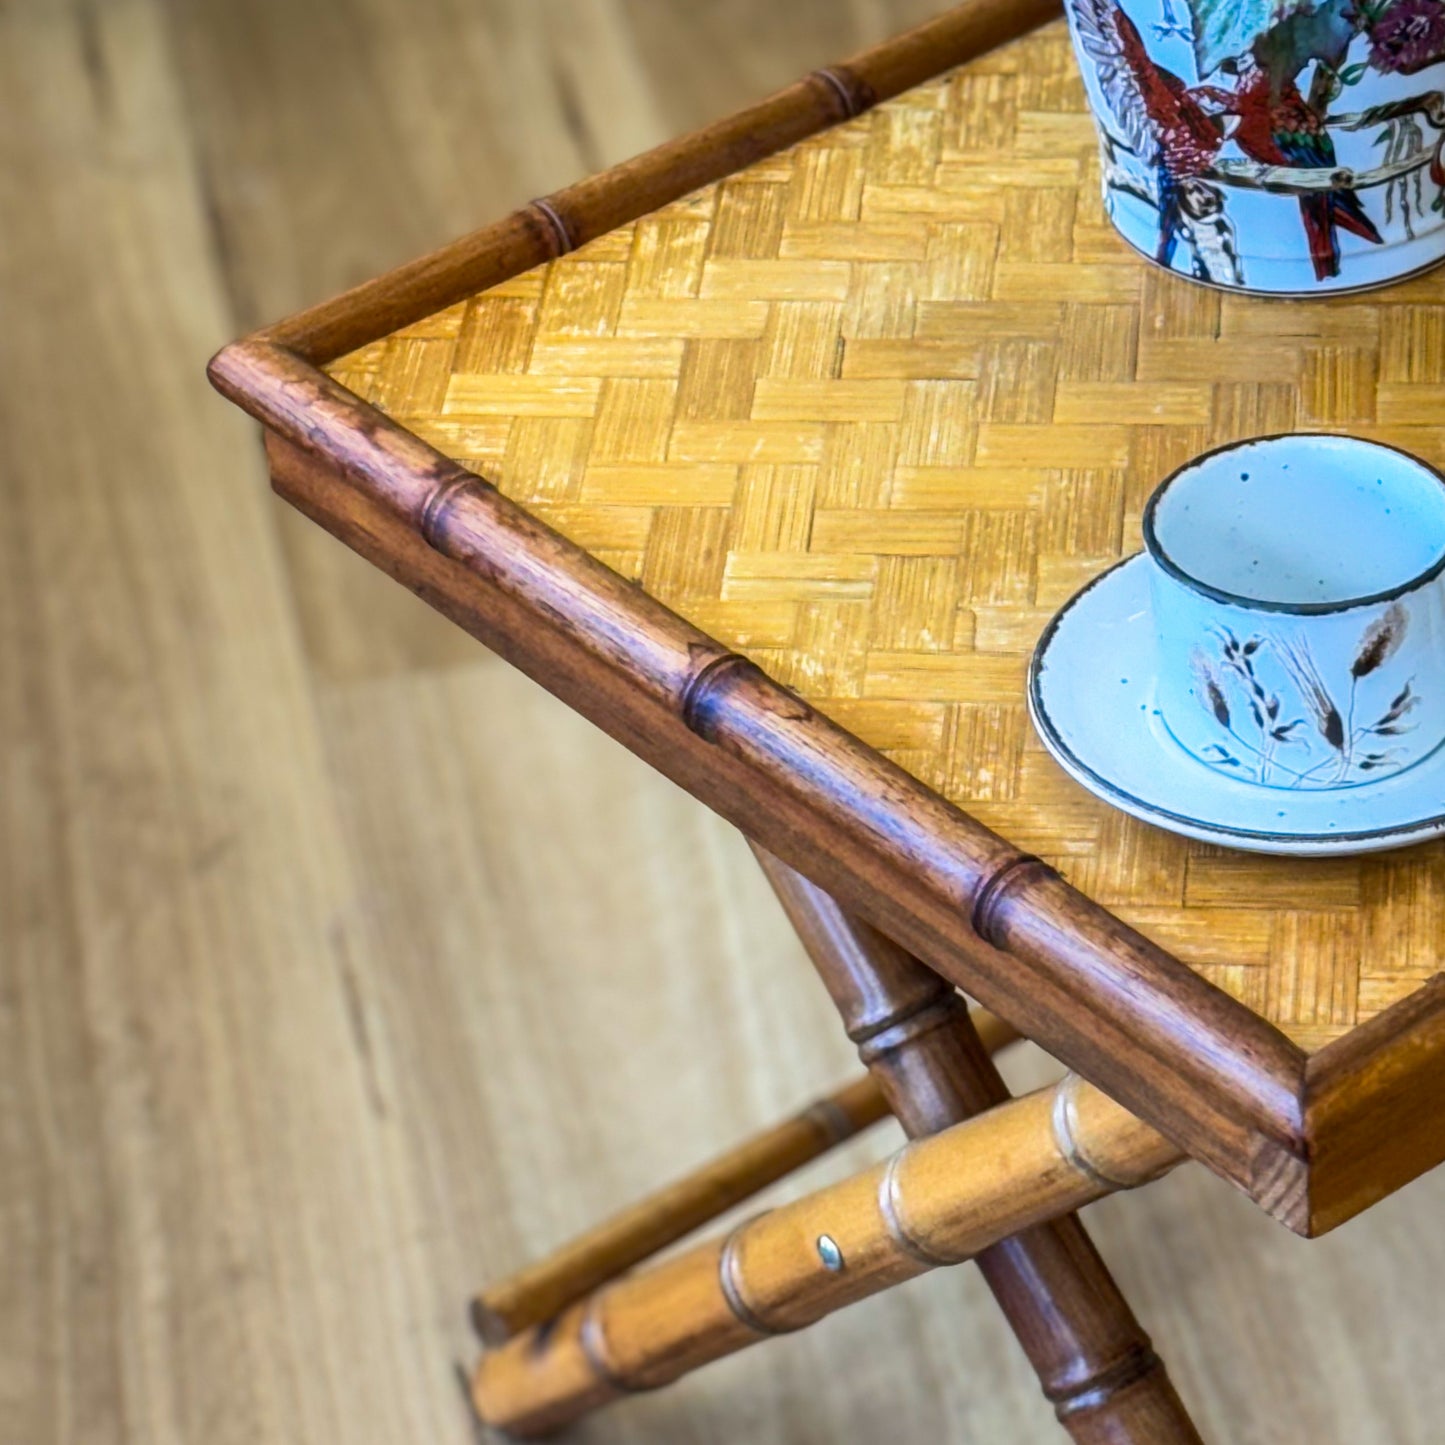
1313	1139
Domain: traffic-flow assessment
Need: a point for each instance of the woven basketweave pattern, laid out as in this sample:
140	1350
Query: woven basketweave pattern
872	410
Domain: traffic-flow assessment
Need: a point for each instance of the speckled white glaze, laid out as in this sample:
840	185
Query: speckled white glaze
1091	697
1299	609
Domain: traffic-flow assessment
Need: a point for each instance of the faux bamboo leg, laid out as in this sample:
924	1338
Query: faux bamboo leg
1093	1358
940	1200
544	1289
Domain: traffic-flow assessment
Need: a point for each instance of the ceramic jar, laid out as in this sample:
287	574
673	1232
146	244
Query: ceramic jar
1281	146
1299	606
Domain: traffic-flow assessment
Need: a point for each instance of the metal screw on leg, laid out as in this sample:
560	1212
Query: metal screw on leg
829	1253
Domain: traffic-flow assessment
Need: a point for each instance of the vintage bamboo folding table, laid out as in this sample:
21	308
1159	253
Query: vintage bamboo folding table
771	452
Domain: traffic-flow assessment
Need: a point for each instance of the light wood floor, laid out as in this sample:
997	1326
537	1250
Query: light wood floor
341	969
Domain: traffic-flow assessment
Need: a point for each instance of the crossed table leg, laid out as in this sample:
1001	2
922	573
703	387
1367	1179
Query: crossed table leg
985	1177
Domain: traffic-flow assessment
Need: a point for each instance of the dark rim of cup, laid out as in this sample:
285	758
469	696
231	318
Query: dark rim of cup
1157	553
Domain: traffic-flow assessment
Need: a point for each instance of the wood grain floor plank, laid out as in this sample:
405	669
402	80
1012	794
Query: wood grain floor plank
206	1159
328	153
522	973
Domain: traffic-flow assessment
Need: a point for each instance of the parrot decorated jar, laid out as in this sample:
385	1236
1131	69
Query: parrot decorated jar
1289	147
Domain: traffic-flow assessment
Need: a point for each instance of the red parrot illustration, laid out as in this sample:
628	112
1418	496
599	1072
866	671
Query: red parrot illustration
1278	127
1164	121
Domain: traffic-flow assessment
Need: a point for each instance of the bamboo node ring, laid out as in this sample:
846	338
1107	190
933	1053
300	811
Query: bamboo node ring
935	1013
697	694
434	510
854	95
1096	1391
1064	1119
729	1278
592	1340
888	1199
831	1120
558	231
996	886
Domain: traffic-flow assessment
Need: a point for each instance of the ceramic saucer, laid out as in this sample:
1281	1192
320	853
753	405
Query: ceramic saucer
1091	698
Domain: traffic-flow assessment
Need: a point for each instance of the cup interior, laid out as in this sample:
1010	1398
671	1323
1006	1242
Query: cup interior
1300	523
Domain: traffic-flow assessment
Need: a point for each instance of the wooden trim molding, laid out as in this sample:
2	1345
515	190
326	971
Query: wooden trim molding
571	217
1313	1141
1375	1107
1221	1082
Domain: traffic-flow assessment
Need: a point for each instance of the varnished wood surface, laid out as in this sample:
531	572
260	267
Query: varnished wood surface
942	1199
540	1291
1094	1361
871	409
297	1045
1223	1083
1218	1078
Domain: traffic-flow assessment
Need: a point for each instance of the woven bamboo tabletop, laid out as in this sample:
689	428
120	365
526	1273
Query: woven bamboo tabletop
871	410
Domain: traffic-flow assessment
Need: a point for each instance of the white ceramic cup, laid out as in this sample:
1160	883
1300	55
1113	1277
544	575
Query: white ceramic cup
1274	146
1299	603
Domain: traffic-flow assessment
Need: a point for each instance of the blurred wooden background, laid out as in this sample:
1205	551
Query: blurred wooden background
340	969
